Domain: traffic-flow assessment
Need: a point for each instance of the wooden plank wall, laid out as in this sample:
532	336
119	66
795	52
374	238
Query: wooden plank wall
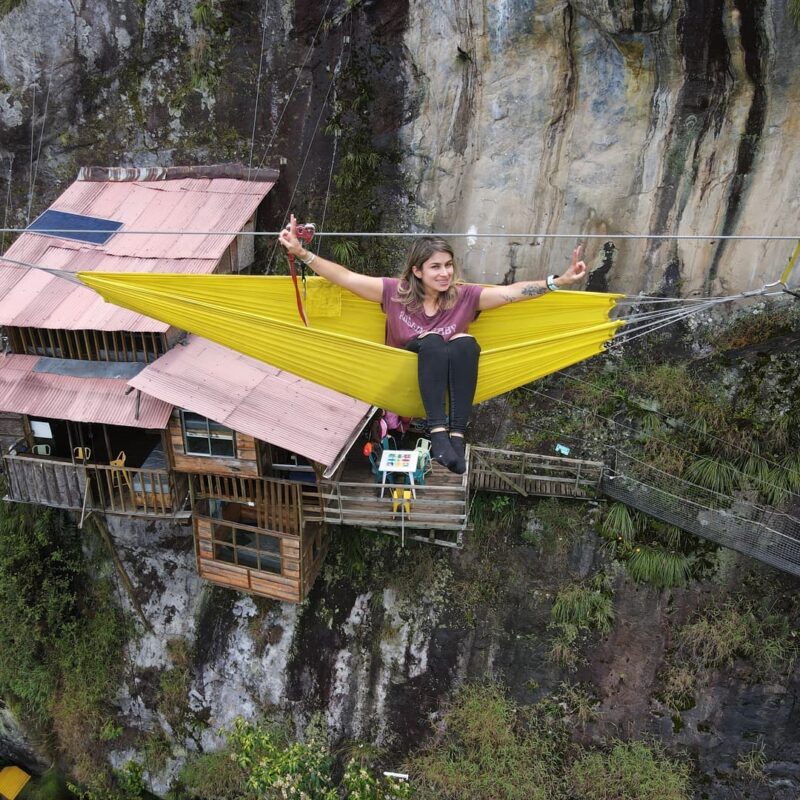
12	429
88	345
286	586
245	464
277	502
45	482
313	535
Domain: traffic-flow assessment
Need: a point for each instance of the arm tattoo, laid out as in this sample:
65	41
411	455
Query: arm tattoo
533	291
509	298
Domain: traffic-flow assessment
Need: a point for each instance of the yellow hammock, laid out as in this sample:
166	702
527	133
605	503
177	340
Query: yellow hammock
343	349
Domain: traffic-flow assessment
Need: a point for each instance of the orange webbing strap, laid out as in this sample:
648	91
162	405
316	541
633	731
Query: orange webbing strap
305	233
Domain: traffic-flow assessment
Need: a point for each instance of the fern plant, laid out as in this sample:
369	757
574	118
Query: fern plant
712	474
345	251
619	523
659	567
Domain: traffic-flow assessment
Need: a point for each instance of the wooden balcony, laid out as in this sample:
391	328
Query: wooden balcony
127	491
438	514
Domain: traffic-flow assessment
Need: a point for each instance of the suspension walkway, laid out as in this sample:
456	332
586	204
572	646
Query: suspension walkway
761	532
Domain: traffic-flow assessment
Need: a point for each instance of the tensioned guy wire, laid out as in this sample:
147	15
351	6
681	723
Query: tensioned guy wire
294	86
711	238
635	324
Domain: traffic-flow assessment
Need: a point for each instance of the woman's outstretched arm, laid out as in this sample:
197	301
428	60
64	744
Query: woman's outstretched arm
496	296
365	286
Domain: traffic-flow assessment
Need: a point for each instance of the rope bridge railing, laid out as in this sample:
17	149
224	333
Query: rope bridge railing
765	534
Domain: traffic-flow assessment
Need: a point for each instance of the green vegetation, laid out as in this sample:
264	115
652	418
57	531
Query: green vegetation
483	578
751	764
490	751
580	702
590	607
494	749
741	628
560	522
578	611
654	553
492	514
679	685
61	633
630	771
761	633
360	202
124	784
659	567
261	760
6	6
207	52
213	776
172	700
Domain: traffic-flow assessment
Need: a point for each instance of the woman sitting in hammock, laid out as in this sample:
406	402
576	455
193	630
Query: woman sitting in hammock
428	311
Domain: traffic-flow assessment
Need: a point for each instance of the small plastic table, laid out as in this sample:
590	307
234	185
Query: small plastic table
398	461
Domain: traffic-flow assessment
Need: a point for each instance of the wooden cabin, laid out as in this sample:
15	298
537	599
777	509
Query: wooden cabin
105	411
252	441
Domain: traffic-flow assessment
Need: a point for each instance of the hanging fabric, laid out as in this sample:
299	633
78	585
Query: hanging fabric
343	347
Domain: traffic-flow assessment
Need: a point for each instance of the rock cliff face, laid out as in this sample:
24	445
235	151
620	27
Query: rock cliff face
511	116
595	117
588	117
377	660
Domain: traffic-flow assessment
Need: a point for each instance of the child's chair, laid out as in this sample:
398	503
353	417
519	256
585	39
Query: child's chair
423	449
119	474
82	453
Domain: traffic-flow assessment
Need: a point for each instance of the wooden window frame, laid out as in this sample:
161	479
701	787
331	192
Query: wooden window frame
209	436
219	523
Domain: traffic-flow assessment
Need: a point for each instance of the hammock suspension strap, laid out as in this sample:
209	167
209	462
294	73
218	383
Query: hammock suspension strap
305	233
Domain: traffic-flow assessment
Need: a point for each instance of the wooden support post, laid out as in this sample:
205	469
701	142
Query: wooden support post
101	528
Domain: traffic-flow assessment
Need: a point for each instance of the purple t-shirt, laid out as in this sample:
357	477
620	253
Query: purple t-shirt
403	324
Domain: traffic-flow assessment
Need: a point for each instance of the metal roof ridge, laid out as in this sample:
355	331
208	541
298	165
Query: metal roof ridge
210	171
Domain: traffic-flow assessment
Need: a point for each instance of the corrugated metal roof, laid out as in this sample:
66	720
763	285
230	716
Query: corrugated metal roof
29	298
244	394
101	400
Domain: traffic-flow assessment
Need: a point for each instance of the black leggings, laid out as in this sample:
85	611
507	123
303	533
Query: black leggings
442	368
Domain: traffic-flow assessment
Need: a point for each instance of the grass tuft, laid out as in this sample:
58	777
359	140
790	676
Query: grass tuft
658	567
630	771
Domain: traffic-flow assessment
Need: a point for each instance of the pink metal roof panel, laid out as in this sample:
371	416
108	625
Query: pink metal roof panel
189	204
101	400
253	398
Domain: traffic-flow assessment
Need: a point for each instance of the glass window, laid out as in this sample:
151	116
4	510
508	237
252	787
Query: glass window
245	547
204	437
224	553
245	538
247	558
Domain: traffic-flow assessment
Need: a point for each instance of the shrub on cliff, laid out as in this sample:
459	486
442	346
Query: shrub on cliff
61	634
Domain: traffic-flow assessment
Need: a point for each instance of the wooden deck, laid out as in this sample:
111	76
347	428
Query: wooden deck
438	514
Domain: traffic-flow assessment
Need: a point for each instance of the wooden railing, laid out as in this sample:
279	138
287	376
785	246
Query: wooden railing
278	503
128	490
435	508
533	474
114	490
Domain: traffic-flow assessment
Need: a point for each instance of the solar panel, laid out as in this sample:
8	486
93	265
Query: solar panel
93	230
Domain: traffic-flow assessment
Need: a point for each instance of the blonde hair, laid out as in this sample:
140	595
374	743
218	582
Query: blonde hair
411	292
